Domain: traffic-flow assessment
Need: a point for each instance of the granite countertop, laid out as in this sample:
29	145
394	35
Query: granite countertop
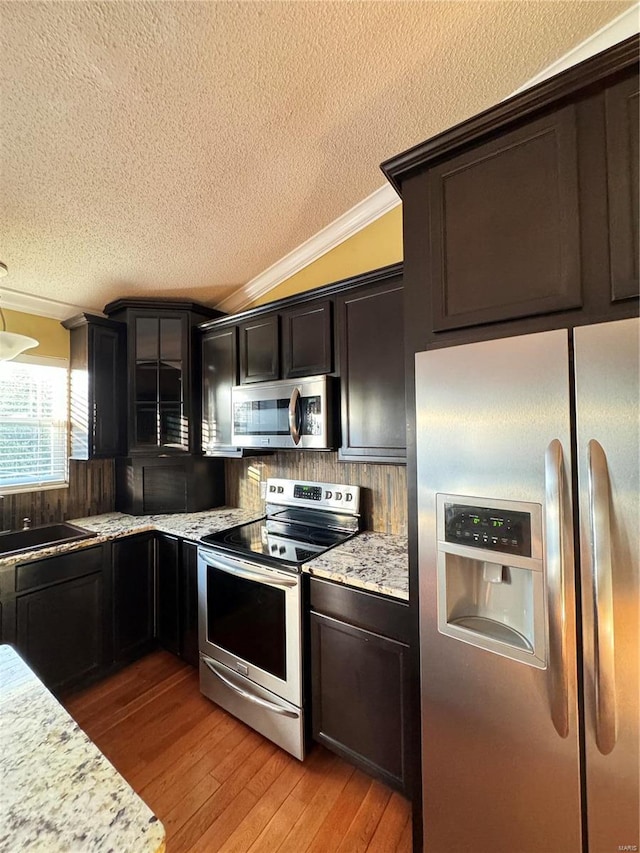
113	525
57	791
375	561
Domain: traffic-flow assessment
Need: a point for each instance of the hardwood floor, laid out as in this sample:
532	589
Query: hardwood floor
219	786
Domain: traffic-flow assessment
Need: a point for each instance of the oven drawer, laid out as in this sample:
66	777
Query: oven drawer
276	719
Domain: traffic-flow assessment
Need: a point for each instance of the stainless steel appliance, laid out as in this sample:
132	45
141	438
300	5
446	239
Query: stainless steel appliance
287	414
250	604
529	652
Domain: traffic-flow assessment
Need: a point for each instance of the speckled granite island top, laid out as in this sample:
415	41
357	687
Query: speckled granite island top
375	561
57	791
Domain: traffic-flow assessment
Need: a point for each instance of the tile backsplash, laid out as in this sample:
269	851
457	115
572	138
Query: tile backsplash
91	491
383	500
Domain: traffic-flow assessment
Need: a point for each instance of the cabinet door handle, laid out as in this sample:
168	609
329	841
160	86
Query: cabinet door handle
602	581
556	569
294	425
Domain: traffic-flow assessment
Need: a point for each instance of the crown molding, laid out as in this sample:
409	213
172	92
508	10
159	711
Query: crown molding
623	27
362	214
29	304
385	199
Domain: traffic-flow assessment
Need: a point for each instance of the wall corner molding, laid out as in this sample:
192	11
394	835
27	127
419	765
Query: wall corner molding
385	199
623	27
26	303
362	214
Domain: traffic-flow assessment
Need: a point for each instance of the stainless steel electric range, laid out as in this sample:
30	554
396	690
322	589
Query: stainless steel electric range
250	604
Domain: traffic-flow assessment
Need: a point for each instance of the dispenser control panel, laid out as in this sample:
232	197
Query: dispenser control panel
492	529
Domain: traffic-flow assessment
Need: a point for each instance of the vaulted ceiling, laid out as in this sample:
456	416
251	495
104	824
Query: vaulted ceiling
181	148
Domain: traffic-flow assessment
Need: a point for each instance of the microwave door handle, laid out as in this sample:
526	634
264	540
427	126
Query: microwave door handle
246	571
294	420
258	700
603	641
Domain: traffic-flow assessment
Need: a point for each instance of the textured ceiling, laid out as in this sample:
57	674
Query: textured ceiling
181	148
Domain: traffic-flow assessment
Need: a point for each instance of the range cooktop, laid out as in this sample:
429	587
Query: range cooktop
303	520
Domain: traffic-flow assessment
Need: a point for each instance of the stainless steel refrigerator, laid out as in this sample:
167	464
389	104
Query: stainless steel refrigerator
528	517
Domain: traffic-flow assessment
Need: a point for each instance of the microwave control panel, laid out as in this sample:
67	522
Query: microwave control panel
492	529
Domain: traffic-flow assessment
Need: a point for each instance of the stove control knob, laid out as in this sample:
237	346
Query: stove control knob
348	496
338	496
280	489
283	548
274	548
328	495
272	488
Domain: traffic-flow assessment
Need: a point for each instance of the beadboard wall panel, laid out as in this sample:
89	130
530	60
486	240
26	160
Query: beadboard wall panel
383	500
91	492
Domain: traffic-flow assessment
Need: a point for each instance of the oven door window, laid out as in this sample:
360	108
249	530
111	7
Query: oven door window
247	619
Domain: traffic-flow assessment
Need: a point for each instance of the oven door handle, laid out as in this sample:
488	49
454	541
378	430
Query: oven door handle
247	571
277	709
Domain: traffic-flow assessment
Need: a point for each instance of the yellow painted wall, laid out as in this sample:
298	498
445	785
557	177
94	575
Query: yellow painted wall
375	246
52	337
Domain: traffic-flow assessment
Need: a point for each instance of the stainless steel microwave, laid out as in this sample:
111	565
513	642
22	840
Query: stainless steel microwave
292	413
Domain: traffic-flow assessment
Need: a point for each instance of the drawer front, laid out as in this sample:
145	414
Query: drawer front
376	613
58	568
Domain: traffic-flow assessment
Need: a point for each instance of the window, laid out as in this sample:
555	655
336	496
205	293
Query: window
34	404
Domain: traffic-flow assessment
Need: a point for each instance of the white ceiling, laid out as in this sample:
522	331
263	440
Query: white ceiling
181	148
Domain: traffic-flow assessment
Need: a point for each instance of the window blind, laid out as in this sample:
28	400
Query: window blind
33	425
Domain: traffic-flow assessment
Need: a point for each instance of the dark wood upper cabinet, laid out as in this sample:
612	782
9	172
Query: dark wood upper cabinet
219	375
97	401
160	409
307	339
370	326
622	121
503	226
525	217
163	382
259	349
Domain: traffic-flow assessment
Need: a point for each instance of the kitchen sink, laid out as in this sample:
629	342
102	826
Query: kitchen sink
17	541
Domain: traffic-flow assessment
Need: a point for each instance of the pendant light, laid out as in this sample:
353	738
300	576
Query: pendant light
12	344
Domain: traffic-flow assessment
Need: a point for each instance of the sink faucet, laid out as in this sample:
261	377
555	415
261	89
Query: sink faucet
26	523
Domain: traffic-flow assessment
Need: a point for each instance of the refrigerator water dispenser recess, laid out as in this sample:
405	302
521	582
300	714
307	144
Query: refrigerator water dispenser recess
491	576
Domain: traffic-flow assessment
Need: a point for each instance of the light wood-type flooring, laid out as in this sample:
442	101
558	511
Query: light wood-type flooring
219	786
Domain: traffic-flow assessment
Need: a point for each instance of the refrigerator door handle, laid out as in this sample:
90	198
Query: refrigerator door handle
602	580
555	539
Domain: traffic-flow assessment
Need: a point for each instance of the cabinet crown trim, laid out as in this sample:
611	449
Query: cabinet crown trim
326	290
548	93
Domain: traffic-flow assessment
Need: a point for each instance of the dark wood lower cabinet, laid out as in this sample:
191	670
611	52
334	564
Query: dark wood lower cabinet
177	597
59	620
59	630
360	688
133	596
189	603
167	592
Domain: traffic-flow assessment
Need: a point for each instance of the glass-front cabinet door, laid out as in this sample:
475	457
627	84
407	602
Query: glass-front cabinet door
160	415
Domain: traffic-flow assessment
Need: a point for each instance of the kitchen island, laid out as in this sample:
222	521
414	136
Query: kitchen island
57	791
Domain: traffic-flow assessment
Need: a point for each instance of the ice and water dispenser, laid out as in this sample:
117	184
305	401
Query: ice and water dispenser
490	576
